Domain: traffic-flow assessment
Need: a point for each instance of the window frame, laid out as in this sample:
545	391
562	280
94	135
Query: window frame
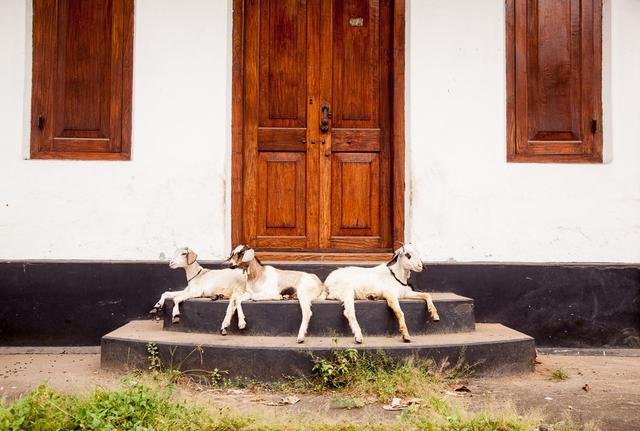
44	62
514	153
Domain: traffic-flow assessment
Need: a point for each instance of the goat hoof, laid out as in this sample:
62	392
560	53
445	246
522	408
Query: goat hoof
358	340
242	325
175	319
223	331
154	310
300	340
406	338
435	318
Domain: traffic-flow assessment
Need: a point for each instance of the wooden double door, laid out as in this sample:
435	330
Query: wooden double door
316	124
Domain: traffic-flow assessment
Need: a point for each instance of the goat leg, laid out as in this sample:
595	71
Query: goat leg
394	304
431	308
305	307
350	314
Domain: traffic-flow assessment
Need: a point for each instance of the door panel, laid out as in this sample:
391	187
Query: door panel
360	182
283	51
307	187
276	166
355	200
356	66
281	212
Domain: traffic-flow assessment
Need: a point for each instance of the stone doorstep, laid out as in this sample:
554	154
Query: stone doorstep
375	317
490	349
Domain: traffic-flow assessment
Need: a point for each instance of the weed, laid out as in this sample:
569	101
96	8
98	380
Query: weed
336	371
135	407
347	403
558	375
138	405
378	375
154	357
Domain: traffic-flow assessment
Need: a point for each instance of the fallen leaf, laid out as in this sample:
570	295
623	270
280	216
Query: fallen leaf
462	388
291	399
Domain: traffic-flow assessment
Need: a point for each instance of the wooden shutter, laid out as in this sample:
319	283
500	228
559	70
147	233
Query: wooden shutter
554	109
82	76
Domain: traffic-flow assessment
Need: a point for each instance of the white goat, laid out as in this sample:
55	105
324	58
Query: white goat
264	282
201	282
386	281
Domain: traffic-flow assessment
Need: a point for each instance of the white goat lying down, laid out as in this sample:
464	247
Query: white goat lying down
386	281
201	282
264	282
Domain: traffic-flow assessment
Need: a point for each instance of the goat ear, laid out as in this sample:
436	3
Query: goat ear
393	260
248	255
191	257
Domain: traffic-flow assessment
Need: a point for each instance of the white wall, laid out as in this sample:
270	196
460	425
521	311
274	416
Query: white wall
173	189
465	203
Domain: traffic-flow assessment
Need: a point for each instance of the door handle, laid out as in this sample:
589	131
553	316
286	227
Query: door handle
326	116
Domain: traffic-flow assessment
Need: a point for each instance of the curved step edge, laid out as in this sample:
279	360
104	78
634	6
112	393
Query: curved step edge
491	349
375	317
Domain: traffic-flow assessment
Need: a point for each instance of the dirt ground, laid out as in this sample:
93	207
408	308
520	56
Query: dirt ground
603	389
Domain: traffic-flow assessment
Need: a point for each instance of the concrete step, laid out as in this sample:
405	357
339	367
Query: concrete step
491	348
281	318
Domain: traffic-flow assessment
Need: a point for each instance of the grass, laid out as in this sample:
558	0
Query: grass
348	403
148	401
558	375
152	406
379	376
133	407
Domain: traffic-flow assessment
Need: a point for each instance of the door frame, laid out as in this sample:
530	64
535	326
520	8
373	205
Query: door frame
397	127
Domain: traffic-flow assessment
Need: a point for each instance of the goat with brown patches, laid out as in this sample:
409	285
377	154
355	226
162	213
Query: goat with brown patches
264	282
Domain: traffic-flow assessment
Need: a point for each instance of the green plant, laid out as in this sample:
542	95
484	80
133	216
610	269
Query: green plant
134	407
335	371
218	377
147	402
154	357
558	375
347	403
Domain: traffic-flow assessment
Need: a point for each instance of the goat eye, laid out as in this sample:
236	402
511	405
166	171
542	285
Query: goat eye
408	255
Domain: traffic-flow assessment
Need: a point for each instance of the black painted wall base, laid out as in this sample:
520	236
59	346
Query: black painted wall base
62	303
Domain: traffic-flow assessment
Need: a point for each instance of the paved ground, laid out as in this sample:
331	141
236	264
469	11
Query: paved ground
612	397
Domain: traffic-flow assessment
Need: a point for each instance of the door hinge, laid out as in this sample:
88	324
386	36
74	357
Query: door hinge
594	126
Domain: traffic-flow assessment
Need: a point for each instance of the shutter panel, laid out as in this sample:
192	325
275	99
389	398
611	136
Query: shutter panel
82	64
554	80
